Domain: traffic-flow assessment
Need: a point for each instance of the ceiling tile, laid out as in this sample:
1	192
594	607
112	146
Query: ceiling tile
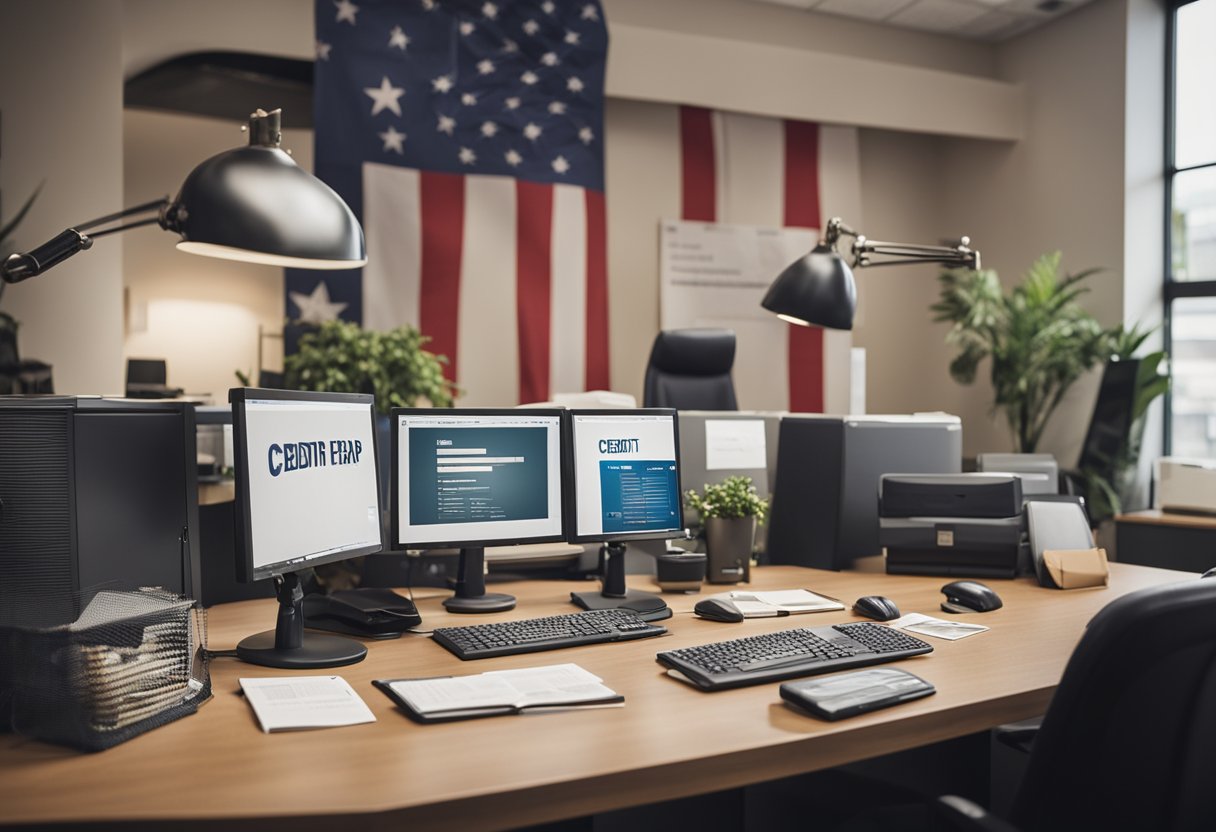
938	15
864	9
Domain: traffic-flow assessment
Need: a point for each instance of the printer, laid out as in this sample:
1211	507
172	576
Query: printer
953	524
1185	485
1039	472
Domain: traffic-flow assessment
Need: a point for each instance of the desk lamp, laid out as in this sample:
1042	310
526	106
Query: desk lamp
250	203
818	288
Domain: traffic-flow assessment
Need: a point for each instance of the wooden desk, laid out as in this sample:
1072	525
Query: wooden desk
668	741
1166	540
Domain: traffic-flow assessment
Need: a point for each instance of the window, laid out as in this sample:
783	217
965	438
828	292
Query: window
1190	287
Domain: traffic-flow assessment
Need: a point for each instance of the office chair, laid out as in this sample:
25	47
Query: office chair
1129	740
146	379
689	369
17	376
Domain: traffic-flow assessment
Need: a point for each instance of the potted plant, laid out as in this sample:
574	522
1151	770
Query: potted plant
730	512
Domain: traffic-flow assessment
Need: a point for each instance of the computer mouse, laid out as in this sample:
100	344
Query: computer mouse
1211	573
877	607
970	596
718	609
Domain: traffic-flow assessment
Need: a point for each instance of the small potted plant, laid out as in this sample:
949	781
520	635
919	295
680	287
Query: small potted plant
730	512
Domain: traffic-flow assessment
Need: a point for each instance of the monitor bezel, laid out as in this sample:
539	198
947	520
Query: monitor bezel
571	508
460	412
238	397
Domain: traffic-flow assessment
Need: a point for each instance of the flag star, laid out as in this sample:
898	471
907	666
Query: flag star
509	46
398	38
466	27
467	157
549	59
574	85
560	164
386	96
446	124
442	84
590	12
547	7
490	10
393	140
316	308
323	50
571	37
532	131
468	99
346	11
557	107
485	67
531	27
513	158
585	135
529	78
513	103
489	129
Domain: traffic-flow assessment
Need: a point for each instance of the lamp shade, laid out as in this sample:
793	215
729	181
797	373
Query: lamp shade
816	289
256	204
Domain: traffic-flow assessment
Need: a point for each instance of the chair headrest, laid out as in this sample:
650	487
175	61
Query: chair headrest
694	352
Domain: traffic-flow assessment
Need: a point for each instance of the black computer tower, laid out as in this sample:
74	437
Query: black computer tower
94	494
825	499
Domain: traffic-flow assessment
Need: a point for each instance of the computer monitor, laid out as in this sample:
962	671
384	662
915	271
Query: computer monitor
306	494
625	485
472	478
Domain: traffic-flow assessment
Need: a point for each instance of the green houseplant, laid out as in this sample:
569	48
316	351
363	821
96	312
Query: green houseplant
730	512
1039	339
342	357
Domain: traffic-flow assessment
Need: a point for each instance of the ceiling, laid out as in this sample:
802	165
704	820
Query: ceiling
983	20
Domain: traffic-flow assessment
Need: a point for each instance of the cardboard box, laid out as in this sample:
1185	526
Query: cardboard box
1076	568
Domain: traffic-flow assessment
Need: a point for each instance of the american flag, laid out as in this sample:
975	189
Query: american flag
467	135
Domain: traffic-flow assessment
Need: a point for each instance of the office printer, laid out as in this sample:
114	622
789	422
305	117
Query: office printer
952	524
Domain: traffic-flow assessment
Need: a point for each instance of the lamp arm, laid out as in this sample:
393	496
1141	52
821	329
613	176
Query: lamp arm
21	266
893	254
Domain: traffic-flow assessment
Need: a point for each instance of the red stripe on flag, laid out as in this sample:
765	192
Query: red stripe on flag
441	197
533	274
595	374
697	160
802	210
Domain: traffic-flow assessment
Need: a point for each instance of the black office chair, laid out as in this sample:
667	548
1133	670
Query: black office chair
146	379
689	369
1129	740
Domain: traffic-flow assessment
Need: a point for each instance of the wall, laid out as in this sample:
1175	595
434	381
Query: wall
61	102
201	314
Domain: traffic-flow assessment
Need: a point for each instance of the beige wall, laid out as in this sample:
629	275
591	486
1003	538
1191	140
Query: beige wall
61	106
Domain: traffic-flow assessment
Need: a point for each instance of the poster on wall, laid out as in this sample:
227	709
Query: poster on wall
715	275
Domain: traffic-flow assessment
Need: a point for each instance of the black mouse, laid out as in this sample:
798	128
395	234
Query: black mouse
877	607
718	609
970	596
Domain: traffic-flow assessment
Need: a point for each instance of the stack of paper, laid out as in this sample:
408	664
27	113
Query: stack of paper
289	703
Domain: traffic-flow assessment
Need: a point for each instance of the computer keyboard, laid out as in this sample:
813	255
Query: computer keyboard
783	655
483	641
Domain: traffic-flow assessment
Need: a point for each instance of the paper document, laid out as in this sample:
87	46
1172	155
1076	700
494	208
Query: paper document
289	703
780	602
559	685
927	625
734	444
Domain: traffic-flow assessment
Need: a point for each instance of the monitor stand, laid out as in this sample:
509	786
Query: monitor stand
471	595
287	645
614	594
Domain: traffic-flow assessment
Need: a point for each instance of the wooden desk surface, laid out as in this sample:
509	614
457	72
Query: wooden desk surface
1157	517
669	740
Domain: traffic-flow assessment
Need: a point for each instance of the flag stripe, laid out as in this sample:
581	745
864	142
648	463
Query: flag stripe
533	267
442	229
567	320
806	374
488	342
697	157
596	373
392	222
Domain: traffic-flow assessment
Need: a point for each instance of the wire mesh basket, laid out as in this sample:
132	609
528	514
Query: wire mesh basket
132	661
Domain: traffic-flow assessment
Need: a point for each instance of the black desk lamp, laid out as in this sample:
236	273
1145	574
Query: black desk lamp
818	288
251	203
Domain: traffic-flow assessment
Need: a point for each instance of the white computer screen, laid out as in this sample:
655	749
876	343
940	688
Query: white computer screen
478	478
311	471
625	474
